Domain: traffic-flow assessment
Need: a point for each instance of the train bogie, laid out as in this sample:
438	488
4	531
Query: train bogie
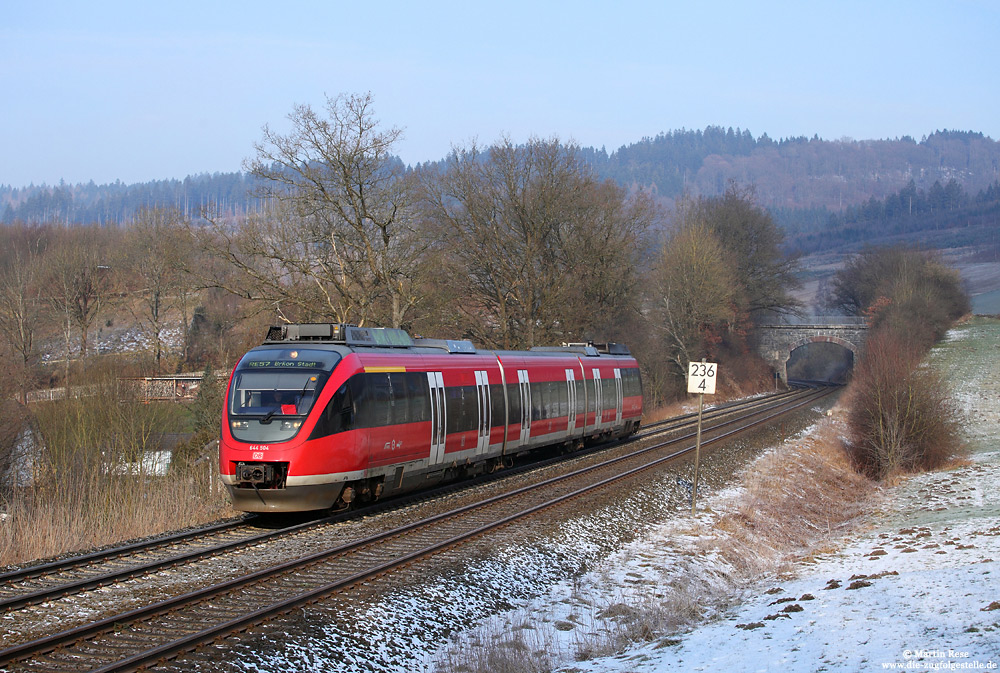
324	416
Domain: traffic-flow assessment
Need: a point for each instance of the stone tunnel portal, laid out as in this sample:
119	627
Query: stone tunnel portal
819	344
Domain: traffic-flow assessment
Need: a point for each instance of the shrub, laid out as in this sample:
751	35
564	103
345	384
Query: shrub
901	288
901	418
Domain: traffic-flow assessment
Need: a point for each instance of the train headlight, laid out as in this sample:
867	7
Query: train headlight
291	425
239	425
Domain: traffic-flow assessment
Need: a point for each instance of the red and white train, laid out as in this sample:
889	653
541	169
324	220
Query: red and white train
323	415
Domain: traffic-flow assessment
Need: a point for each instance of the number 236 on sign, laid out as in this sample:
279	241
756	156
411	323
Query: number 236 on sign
701	377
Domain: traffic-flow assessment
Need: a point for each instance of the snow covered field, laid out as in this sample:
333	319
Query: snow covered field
918	588
918	592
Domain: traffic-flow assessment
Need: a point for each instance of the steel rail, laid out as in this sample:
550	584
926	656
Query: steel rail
70	588
116	552
713	412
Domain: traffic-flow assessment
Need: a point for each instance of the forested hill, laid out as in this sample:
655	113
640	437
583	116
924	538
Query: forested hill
801	172
117	203
799	179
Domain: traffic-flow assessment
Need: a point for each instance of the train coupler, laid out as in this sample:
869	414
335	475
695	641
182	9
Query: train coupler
261	475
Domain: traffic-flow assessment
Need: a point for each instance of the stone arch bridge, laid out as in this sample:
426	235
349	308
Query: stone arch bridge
777	341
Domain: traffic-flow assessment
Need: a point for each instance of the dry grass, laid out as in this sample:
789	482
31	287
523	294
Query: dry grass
793	500
666	411
38	526
512	648
94	480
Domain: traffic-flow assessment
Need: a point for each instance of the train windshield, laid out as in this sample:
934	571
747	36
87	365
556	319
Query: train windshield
274	389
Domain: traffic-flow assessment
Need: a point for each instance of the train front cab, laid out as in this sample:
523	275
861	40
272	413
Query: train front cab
274	454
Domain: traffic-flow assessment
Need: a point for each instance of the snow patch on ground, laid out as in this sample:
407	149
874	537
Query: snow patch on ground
925	593
132	339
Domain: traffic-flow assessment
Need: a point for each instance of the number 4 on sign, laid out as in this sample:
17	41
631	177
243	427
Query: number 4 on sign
701	377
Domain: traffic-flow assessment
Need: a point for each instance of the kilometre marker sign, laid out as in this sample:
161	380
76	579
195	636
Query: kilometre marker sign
701	377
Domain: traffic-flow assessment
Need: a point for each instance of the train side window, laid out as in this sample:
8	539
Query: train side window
418	394
635	382
379	399
608	393
549	401
496	405
514	402
359	394
399	401
367	413
470	408
338	416
537	403
463	408
553	398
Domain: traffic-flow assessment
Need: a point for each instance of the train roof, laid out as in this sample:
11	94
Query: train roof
355	337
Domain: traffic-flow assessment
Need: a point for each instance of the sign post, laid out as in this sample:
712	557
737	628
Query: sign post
701	380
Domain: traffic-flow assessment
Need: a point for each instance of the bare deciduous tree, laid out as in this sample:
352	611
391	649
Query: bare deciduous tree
81	278
339	240
537	249
157	249
20	312
910	289
604	255
902	417
765	274
692	290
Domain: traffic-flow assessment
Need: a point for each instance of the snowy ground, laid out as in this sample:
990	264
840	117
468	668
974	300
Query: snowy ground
921	587
917	589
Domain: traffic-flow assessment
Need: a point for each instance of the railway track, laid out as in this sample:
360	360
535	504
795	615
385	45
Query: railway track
49	581
713	412
167	627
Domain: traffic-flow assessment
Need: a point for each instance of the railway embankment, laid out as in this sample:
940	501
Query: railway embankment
802	566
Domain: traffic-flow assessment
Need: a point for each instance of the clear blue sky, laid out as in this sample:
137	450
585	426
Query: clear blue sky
139	91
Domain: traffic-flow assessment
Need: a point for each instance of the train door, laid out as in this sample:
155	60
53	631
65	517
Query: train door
571	389
439	417
598	398
485	411
525	387
619	395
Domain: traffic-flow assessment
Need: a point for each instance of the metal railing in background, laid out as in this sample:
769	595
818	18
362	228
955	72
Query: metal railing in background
170	388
